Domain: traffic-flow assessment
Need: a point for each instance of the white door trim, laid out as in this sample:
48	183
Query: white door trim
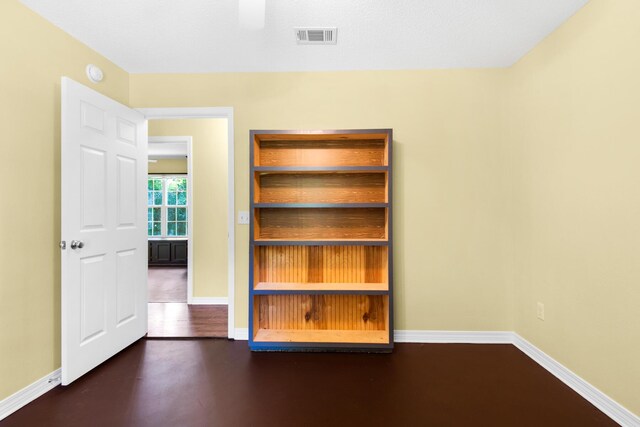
169	147
177	142
213	113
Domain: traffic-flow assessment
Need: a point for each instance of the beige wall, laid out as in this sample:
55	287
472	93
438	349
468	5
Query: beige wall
450	228
210	193
168	165
574	131
30	72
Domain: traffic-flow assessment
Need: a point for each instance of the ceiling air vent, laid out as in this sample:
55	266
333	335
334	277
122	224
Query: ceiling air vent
316	35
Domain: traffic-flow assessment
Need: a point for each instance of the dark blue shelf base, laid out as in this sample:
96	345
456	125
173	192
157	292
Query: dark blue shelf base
320	347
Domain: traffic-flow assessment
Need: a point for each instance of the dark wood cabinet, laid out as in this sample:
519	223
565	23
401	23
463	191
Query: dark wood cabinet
168	252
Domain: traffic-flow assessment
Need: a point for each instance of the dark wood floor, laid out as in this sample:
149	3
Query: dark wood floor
221	383
169	314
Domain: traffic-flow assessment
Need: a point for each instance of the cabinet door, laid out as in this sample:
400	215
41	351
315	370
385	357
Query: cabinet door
163	252
179	252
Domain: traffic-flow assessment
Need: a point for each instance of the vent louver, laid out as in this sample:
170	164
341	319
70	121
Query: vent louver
316	35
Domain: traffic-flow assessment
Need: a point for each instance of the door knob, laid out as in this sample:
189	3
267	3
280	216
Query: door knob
77	244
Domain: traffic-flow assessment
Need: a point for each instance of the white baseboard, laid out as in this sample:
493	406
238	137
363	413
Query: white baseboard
241	334
607	405
208	301
28	394
453	337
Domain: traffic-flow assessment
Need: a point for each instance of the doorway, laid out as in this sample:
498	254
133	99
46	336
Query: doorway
104	216
193	300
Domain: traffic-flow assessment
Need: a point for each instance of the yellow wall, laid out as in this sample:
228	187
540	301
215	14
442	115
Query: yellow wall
210	192
574	130
35	55
449	193
168	165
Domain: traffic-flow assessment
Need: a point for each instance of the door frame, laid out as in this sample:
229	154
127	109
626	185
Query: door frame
213	113
186	141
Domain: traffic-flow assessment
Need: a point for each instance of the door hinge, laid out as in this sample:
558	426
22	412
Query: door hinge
63	244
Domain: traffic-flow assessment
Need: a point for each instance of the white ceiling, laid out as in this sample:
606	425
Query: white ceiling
196	36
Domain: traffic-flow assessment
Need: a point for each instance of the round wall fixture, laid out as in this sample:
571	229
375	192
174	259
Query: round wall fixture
94	73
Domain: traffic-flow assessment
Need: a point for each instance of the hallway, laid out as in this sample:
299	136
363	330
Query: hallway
169	314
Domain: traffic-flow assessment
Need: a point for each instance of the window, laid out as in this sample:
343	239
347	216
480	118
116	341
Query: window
167	206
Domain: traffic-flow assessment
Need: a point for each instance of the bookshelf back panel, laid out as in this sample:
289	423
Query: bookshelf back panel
321	188
352	152
321	312
320	264
320	223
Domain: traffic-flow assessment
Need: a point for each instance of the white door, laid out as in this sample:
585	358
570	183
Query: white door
104	225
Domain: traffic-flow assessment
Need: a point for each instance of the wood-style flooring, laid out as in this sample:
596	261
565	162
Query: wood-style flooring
179	320
221	383
167	284
169	314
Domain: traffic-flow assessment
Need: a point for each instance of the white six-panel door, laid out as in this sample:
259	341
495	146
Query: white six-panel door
104	225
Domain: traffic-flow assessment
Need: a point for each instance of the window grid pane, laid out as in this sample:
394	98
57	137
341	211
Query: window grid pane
182	228
154	216
177	221
168	192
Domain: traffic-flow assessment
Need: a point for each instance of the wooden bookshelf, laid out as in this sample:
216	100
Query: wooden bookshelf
320	256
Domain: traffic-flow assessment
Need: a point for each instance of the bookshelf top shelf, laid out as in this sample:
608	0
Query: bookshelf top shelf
332	149
321	135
